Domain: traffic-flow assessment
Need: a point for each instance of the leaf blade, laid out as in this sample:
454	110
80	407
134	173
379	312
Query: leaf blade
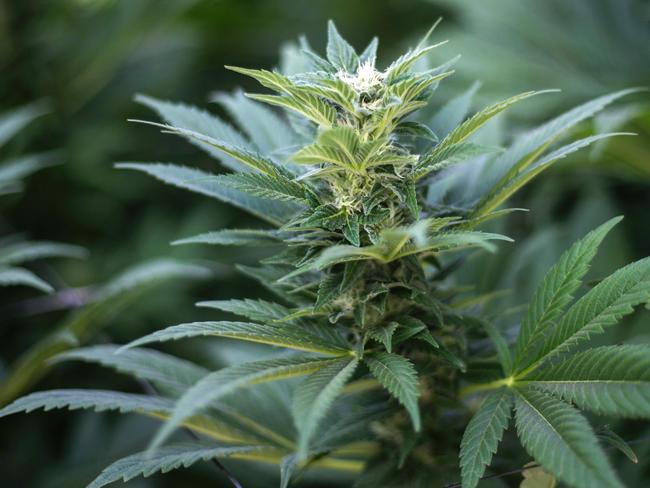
483	434
399	377
608	380
195	119
198	181
339	52
228	380
603	306
557	288
283	335
165	459
562	441
314	397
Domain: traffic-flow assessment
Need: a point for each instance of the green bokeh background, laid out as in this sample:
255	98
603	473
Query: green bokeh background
87	58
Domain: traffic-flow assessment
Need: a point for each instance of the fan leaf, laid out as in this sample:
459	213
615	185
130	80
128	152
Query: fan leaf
562	441
483	434
284	335
398	376
314	397
201	182
556	289
608	380
166	459
220	383
339	51
603	306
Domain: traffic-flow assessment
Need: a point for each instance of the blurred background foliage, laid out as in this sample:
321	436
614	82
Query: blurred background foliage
86	59
584	48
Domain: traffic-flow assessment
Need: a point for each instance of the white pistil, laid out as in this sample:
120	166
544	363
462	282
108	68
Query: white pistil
366	79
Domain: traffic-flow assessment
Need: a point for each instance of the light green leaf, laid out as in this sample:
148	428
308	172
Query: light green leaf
228	380
269	79
337	146
266	129
200	121
415	129
318	154
562	441
98	400
101	401
235	237
442	157
345	139
339	51
511	183
258	310
556	290
603	306
314	397
412	200
531	142
398	376
283	335
303	102
164	460
453	112
171	375
412	90
394	244
471	125
264	186
344	253
251	159
608	380
453	240
106	302
369	54
201	182
404	63
483	434
337	92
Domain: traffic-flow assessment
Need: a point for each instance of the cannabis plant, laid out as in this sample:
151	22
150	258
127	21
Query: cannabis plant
378	354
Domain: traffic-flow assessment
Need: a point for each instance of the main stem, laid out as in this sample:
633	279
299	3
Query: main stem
492	385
